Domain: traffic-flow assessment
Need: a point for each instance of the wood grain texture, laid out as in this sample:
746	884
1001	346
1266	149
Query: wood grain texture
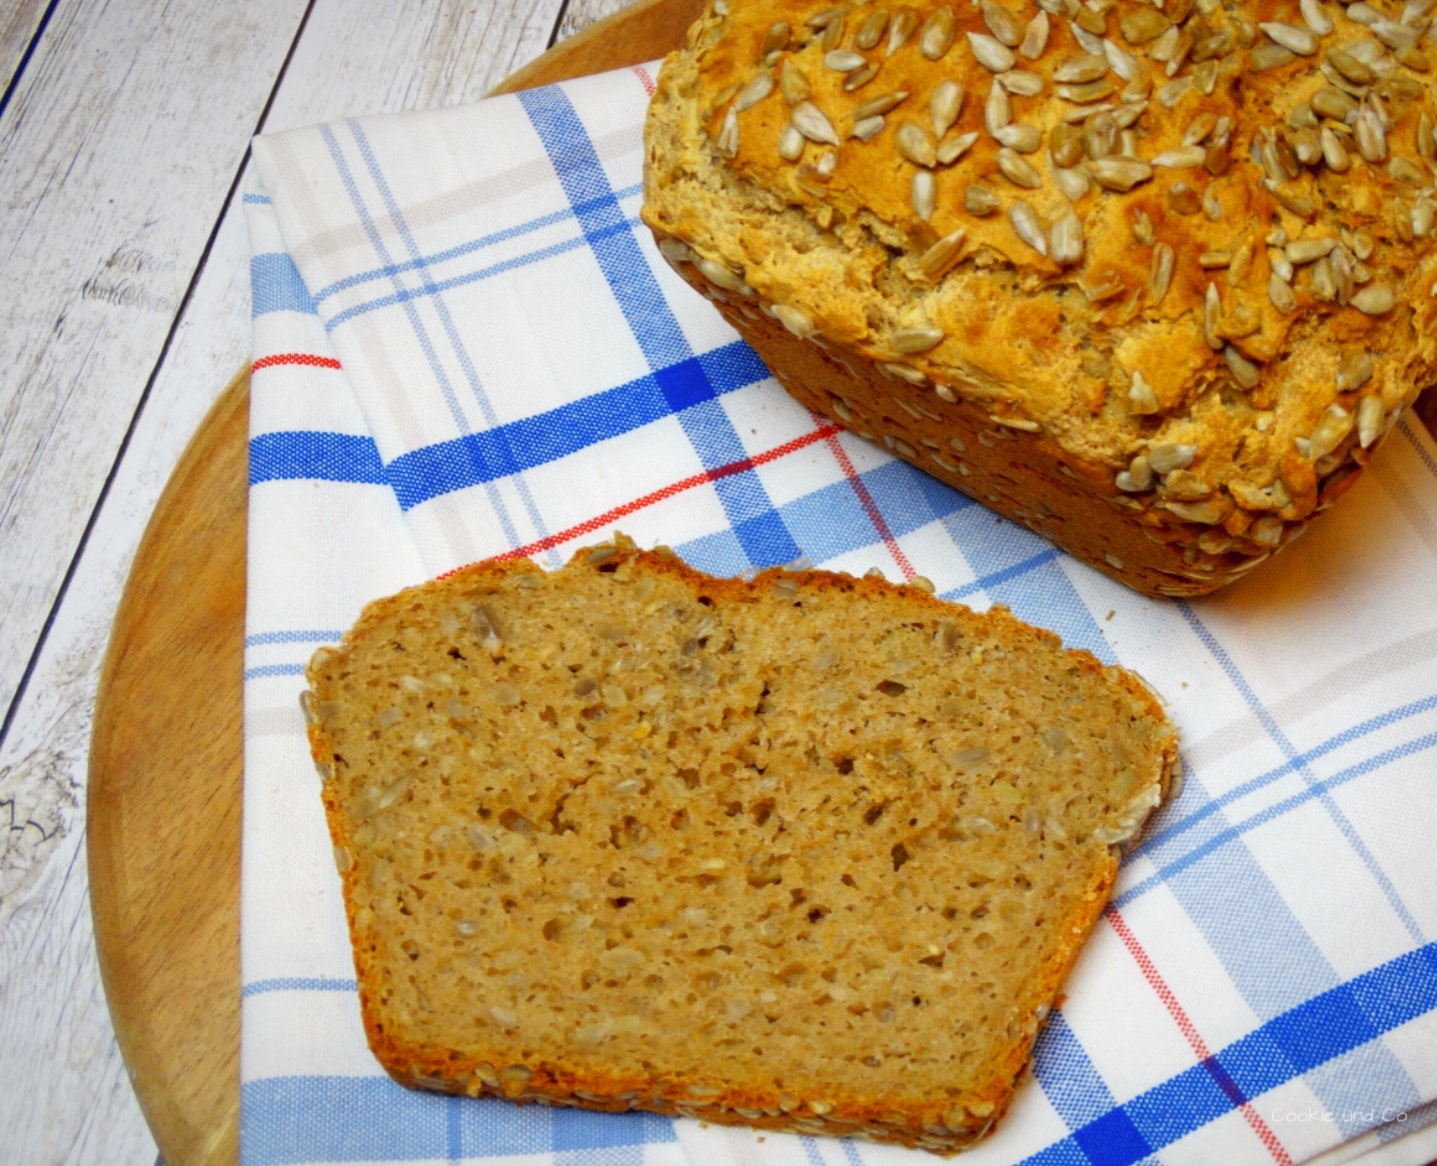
168	941
19	25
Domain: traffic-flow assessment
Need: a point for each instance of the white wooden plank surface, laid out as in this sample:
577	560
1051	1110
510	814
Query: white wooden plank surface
64	1097
17	29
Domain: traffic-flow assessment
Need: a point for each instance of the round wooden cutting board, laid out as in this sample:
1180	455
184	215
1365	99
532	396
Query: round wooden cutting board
166	752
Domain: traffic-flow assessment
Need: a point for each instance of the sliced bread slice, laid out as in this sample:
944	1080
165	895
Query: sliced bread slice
803	851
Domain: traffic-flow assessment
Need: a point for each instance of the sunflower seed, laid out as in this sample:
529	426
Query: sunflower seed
796	320
1405	170
1021	82
790	142
1065	239
937	36
925	194
1138	477
843	60
1332	103
1164	48
944	105
980	200
727	141
833	32
1142	400
1090	41
1142	24
1424	217
1334	152
1170	94
1001	24
754	92
937	260
716	273
1369	134
1170	456
1375	299
1211	205
871	31
1142	227
811	122
1089	67
1322	281
1353	371
998	110
903	25
991	53
1331	429
1302	41
1100	135
1160	273
915	143
1181	158
951	148
1307	145
1023	138
1369	420
825	17
1212	317
1123	63
1271	55
1301	251
859	78
1350	67
1280	292
793	82
1029	226
911	341
1065	145
1199	128
1363	14
1035	36
883	103
1117	173
1214	260
1086	93
1017	169
775	39
1073	183
1244	371
867	128
1398	37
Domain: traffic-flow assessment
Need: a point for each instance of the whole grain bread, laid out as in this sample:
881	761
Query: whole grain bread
1150	279
803	851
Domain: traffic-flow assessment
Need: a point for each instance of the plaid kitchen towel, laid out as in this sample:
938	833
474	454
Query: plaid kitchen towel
466	346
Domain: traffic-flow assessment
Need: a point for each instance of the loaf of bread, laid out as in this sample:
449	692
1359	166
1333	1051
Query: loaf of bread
804	851
1152	279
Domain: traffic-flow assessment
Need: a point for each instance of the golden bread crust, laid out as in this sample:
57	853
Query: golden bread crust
1183	254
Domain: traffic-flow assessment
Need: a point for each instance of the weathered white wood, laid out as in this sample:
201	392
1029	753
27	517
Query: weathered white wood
116	151
64	1097
579	14
17	29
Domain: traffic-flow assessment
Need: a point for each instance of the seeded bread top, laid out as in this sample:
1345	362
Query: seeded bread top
1189	245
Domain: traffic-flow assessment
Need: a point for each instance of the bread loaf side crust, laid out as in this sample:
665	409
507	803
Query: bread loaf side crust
428	1033
1173	285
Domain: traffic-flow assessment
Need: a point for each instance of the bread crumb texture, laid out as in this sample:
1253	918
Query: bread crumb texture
1153	280
804	852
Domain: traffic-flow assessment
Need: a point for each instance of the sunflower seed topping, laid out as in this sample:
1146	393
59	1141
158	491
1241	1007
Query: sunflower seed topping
883	103
1035	36
1023	138
775	39
1029	226
867	128
1301	251
915	143
953	147
1021	82
1332	428
1142	400
1181	158
1244	371
1334	151
1143	24
796	320
911	341
1118	173
871	31
944	105
1160	273
1137	478
1065	239
924	194
997	110
790	142
1074	183
936	261
1302	41
991	53
937	36
979	200
1353	371
793	82
1333	103
843	60
1370	134
1088	67
754	92
1017	169
1212	316
1369	420
1280	292
727	140
1375	299
813	124
903	25
1170	456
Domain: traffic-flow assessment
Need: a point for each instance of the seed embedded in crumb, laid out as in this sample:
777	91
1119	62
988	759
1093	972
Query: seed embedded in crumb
911	341
979	200
1374	300
1028	226
924	194
1065	239
1353	371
